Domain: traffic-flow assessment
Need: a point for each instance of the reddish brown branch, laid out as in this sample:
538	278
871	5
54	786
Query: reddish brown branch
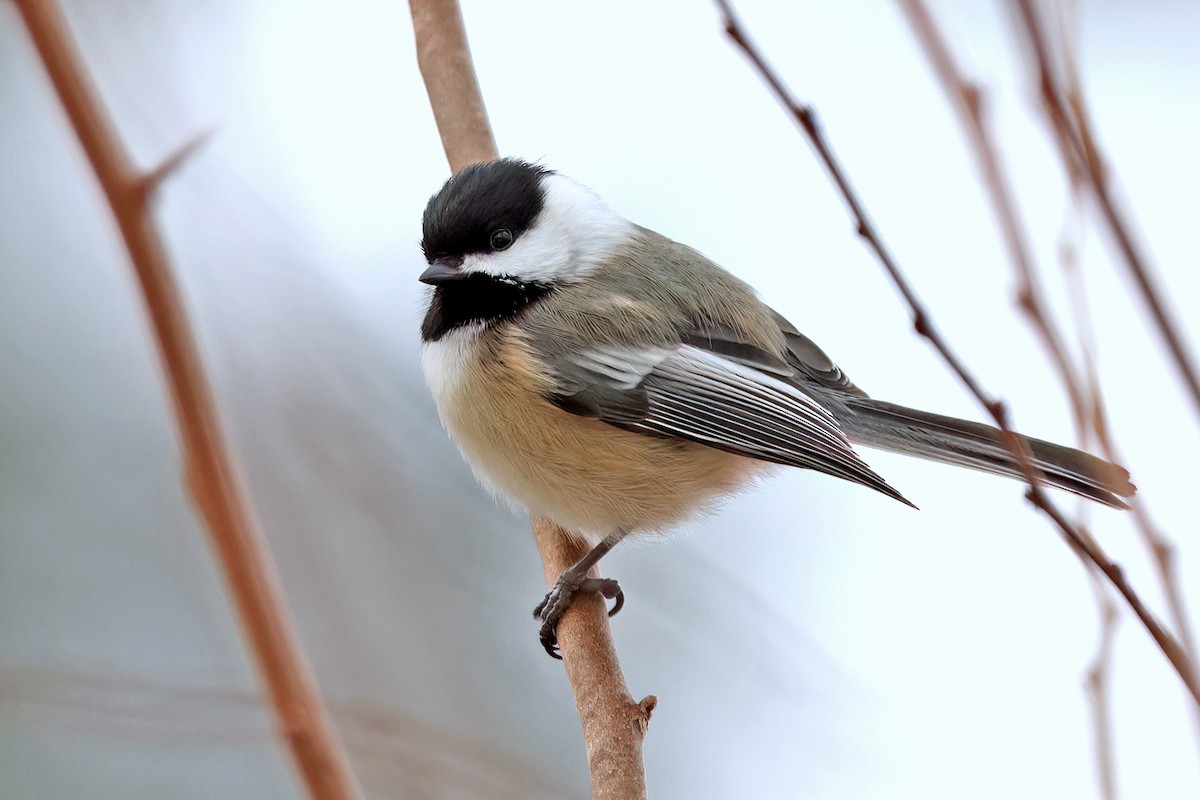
211	472
1081	154
1096	684
1161	551
614	725
444	57
969	101
805	116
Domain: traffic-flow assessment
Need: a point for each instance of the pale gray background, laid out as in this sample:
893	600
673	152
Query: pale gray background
811	640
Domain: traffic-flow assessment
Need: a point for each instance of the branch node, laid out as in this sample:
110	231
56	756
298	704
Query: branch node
1076	538
1025	299
645	711
973	97
1165	553
210	468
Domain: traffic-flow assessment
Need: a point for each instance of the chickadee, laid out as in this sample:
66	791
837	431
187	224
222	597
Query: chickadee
614	381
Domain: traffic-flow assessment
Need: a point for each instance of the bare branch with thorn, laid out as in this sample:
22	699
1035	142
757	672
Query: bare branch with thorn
1062	100
151	180
301	719
806	117
1082	388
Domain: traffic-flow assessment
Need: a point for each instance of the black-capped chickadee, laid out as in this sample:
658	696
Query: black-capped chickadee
614	381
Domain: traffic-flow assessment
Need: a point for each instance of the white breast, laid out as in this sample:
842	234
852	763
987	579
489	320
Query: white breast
446	361
451	365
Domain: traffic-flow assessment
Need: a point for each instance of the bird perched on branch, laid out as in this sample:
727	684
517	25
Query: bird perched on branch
614	381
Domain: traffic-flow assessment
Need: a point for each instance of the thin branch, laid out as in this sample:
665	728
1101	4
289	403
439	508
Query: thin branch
805	116
968	100
614	725
444	57
1161	551
1162	555
1081	154
1097	687
211	471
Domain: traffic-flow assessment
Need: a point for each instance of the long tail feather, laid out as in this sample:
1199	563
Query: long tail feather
887	426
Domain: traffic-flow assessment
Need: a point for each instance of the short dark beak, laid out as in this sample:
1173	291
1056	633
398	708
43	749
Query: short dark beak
443	270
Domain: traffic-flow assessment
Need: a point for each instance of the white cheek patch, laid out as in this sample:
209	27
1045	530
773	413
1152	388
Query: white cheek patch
574	233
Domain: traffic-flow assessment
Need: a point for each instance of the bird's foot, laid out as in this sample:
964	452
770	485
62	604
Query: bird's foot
559	599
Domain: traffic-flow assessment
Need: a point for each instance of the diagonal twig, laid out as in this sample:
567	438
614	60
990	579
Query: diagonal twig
1096	684
1162	551
210	468
968	100
1081	154
806	117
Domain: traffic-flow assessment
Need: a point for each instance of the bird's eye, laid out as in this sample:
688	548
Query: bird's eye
502	239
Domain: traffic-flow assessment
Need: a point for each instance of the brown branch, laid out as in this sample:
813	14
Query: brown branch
968	100
614	725
1081	154
444	57
1096	684
805	116
211	472
1162	555
1161	551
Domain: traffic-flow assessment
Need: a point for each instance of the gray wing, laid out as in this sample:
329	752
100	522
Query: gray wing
715	390
810	361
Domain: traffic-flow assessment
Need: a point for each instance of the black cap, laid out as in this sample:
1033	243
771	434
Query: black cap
478	200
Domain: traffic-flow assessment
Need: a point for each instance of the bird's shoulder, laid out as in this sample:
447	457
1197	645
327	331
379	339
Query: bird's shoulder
655	295
655	292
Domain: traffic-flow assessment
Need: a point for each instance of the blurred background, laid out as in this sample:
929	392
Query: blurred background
812	639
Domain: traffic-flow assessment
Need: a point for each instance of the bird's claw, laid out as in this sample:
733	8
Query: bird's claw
559	599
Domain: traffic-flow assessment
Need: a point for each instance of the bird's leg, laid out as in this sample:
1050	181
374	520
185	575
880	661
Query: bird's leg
575	580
